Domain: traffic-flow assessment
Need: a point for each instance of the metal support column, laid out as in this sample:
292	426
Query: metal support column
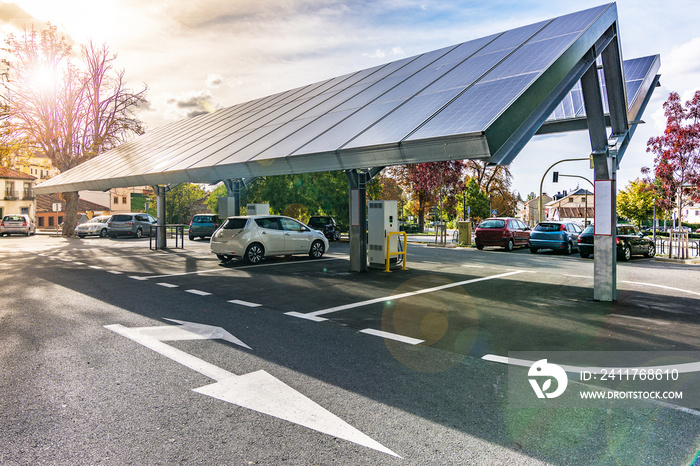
357	181
605	251
160	191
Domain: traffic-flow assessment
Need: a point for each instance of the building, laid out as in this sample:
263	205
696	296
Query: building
18	193
530	213
691	214
576	207
46	217
38	166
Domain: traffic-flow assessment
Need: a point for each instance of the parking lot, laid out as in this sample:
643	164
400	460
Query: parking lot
381	339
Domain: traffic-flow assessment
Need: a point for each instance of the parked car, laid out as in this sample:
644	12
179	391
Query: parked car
21	224
131	224
630	242
559	236
203	225
257	236
96	226
327	226
504	232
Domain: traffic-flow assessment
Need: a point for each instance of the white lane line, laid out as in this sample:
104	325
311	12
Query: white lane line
244	303
392	336
168	285
306	316
661	286
78	263
96	267
135	277
577	276
473	266
399	296
651	321
222	269
115	272
681	368
198	292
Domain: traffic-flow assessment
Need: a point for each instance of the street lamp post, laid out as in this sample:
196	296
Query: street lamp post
539	202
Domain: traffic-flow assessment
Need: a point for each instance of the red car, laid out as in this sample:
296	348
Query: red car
505	232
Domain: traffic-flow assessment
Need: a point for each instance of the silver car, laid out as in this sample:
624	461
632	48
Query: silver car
20	224
256	236
96	226
131	224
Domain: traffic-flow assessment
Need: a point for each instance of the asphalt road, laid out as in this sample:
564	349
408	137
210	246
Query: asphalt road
87	378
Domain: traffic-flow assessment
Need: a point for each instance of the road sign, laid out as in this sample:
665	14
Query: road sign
494	212
257	390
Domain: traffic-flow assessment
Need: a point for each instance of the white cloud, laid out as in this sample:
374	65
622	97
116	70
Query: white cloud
214	80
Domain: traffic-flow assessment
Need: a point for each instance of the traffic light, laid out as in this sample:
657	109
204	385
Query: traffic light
555	177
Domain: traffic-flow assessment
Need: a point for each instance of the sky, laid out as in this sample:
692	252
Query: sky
198	56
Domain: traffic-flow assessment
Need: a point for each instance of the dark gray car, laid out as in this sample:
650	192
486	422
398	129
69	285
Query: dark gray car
131	224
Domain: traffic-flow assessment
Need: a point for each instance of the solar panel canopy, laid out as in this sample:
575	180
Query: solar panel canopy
479	99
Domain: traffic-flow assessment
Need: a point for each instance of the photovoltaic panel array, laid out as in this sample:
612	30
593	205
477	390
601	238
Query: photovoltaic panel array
470	100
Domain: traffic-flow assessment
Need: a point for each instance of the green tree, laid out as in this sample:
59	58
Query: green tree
636	202
67	106
180	202
476	200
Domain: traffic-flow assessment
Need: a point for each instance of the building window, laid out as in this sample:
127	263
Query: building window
51	221
571	199
41	222
123	199
60	219
116	199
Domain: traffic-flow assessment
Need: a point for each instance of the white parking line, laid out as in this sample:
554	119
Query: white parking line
661	286
198	292
392	336
168	285
96	267
223	269
78	263
115	272
651	321
315	315
244	303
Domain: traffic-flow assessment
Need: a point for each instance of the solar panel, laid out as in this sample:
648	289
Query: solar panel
468	100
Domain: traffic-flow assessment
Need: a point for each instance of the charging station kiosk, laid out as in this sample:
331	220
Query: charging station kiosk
382	219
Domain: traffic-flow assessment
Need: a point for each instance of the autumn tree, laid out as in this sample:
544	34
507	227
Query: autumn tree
68	107
496	182
677	154
476	200
181	202
431	182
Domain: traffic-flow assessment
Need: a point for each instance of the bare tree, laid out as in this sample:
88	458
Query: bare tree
495	181
66	110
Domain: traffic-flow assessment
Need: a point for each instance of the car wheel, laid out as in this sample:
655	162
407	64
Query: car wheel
254	254
337	236
81	236
583	254
533	250
626	253
509	245
651	252
103	233
317	250
479	247
191	238
139	233
224	257
568	250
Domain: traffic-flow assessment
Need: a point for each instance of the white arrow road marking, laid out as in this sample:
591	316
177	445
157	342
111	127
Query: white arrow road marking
258	391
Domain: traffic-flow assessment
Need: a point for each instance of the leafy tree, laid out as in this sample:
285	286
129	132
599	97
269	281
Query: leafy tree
180	202
431	182
322	193
66	107
476	200
677	161
496	182
636	202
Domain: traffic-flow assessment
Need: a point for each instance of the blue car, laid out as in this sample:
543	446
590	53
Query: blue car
559	236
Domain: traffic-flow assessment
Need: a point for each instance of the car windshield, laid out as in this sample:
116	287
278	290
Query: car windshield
13	218
122	218
492	224
589	229
203	219
99	219
235	223
548	227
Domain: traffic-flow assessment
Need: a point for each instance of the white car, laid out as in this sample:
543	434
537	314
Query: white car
256	236
96	226
20	224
